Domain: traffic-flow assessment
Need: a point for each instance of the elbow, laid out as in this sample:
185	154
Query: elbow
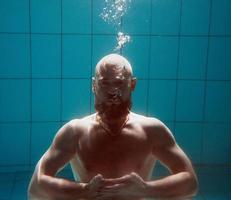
31	193
194	186
35	189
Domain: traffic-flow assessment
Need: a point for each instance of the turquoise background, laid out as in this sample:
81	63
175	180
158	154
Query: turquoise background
180	53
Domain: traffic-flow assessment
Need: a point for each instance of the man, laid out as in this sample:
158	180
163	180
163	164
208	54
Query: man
114	150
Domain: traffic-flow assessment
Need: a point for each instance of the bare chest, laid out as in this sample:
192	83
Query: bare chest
115	156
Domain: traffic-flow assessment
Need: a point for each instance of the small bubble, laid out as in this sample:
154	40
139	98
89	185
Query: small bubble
122	39
114	10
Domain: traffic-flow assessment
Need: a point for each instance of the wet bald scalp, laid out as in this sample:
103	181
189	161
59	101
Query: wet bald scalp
116	61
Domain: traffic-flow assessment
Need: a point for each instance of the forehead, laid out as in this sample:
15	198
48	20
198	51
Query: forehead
112	71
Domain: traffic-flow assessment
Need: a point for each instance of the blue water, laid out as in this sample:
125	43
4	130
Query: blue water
180	53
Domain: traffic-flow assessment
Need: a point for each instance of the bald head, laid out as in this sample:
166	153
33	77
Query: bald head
113	62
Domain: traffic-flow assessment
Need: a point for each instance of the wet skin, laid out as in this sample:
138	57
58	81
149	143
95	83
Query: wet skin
118	144
114	156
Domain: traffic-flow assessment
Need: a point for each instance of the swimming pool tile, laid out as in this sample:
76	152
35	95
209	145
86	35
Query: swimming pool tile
23	175
192	58
137	52
217	169
216	143
14	16
198	197
20	190
139	97
76	98
189	138
217	196
16	47
5	189
165	17
140	13
159	171
15	167
6	176
45	16
99	25
195	17
219	59
217	106
14	144
190	100
46	56
161	101
15	100
76	61
67	174
46	99
214	183
164	51
76	16
221	17
41	138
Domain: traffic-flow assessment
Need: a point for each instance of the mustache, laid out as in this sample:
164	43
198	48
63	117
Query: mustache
113	110
113	96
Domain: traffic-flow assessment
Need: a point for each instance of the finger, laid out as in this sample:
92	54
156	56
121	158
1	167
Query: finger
122	179
99	176
98	179
112	188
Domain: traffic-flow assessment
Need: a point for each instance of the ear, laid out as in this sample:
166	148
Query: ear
93	84
133	83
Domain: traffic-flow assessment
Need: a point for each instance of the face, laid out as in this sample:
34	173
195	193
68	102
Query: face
112	88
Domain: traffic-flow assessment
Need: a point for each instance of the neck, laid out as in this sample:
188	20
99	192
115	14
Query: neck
112	124
113	121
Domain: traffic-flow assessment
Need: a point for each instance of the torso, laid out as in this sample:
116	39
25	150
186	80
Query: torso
113	156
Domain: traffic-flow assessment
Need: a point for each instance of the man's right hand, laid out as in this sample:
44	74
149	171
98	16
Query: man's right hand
94	186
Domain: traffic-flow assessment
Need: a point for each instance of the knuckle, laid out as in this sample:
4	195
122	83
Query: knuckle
133	174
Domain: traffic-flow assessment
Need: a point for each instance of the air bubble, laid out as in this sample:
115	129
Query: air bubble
112	13
122	39
113	10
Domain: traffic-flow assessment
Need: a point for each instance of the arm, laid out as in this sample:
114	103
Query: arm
182	184
183	181
44	184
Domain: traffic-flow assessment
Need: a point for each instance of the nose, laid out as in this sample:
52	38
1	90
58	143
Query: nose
114	93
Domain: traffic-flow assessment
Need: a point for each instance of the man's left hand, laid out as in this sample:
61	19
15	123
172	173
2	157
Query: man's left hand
125	187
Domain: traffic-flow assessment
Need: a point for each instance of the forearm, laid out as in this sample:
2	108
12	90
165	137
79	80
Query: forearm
177	186
47	187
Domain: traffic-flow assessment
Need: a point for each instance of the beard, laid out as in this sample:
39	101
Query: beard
113	111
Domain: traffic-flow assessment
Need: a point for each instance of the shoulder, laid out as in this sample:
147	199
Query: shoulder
71	131
81	125
148	123
65	135
156	130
